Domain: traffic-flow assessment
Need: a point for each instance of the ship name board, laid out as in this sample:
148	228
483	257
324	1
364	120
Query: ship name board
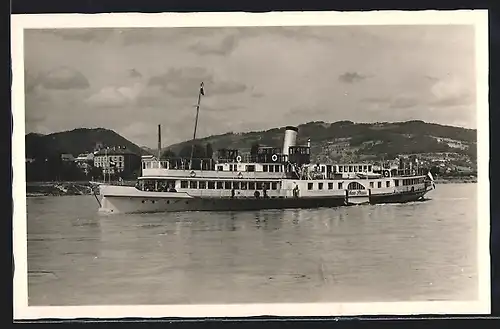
358	192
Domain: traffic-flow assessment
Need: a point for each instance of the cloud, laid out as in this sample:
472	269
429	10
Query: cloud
431	78
134	36
397	102
119	95
228	87
377	99
35	116
297	33
30	81
223	108
138	130
276	60
309	111
151	96
133	73
62	78
84	35
440	93
351	77
112	96
403	102
107	97
450	92
184	83
225	47
463	99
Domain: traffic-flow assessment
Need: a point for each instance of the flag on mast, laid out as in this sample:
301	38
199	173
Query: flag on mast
202	90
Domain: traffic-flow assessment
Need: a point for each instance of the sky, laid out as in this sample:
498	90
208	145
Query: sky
255	78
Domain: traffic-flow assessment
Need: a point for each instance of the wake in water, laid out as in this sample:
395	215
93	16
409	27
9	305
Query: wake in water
409	203
452	199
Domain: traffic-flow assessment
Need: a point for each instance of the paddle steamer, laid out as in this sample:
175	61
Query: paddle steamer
271	178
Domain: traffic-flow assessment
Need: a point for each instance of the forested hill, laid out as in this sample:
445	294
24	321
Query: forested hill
347	140
330	141
75	142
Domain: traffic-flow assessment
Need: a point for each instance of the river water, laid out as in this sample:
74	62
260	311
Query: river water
407	252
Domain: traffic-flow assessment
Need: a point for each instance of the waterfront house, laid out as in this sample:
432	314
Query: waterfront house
117	160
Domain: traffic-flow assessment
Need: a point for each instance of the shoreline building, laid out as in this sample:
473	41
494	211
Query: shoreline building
117	160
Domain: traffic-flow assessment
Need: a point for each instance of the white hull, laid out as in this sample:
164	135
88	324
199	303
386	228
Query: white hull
122	199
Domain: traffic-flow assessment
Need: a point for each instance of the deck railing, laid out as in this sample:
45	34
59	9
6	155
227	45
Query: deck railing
209	164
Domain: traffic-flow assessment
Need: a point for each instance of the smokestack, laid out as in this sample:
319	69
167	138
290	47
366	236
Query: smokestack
290	138
159	142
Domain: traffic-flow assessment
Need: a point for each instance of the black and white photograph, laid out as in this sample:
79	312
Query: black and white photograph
241	164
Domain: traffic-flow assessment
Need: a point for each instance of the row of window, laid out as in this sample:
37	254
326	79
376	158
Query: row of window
355	168
412	181
251	168
228	185
358	186
109	157
279	168
99	164
299	150
351	168
260	185
340	186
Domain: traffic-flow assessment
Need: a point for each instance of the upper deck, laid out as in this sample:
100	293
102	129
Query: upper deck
213	169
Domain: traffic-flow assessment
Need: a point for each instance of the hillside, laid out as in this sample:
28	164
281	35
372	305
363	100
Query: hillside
147	150
348	141
75	142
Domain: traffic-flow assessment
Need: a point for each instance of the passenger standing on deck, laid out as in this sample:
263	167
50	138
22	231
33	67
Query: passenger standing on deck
264	191
232	193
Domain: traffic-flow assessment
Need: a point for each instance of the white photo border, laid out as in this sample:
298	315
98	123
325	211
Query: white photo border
22	311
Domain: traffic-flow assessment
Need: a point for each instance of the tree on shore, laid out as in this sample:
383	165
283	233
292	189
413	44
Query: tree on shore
254	150
199	152
209	151
168	154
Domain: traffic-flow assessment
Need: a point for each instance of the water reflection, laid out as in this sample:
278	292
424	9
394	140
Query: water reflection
231	226
269	220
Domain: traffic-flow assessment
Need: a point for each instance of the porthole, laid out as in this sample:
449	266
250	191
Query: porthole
142	201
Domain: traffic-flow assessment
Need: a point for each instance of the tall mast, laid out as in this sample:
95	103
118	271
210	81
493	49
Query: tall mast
201	92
